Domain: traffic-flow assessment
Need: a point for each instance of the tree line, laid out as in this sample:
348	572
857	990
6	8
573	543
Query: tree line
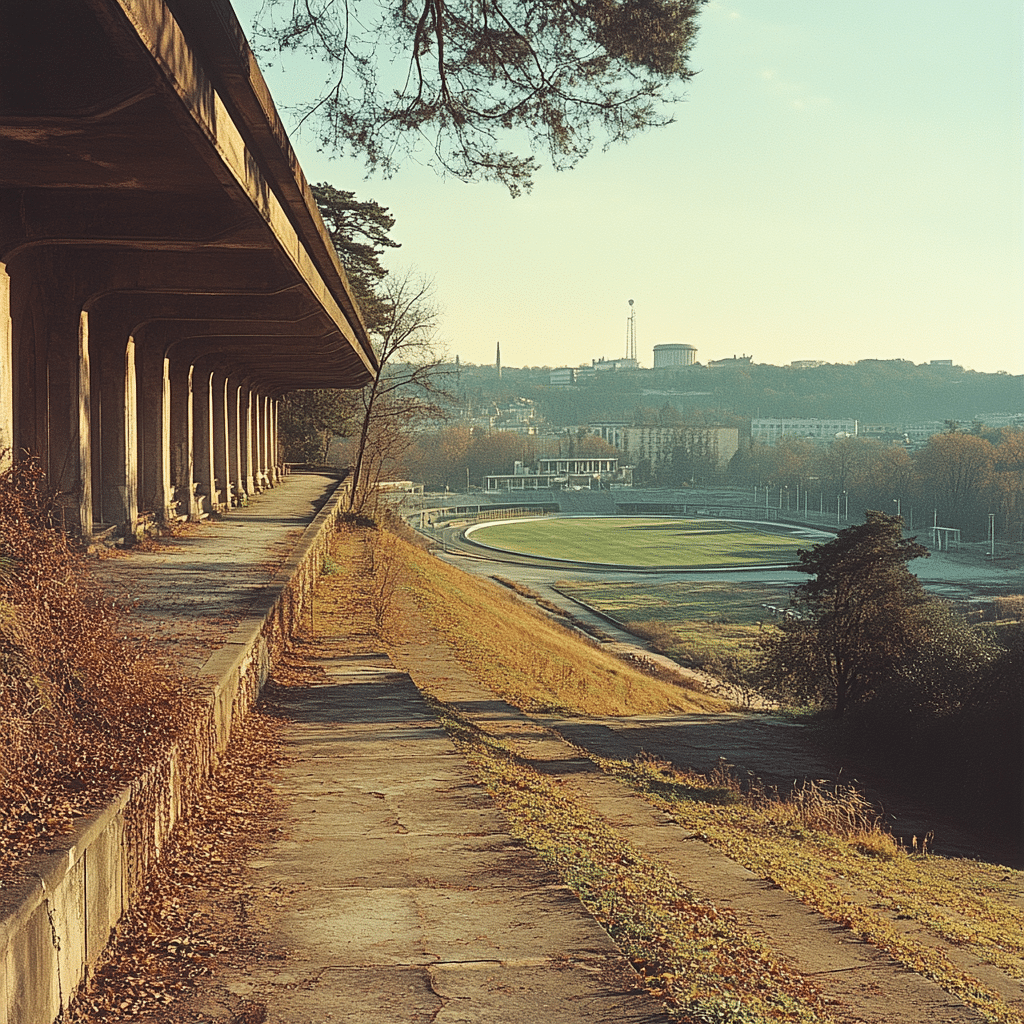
456	457
958	478
872	391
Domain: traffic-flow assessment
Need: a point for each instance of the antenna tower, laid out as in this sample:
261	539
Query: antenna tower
631	333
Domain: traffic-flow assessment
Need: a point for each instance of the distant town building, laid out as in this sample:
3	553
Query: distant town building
769	430
1000	419
806	364
735	361
657	443
610	432
564	376
559	473
615	364
674	355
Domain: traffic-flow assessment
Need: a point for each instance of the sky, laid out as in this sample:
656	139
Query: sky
842	182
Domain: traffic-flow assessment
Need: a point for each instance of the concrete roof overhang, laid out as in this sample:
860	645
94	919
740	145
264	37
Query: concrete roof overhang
139	141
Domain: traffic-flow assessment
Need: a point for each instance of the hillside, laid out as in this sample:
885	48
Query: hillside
874	391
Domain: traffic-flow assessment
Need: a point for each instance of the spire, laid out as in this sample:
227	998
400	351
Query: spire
497	360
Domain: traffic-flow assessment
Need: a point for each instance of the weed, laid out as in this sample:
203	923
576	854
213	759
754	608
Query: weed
81	707
690	953
828	846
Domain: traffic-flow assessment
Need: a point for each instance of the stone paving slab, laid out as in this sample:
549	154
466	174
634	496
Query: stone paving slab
393	892
187	592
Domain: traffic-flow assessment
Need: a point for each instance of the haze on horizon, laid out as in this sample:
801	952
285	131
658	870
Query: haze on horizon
843	182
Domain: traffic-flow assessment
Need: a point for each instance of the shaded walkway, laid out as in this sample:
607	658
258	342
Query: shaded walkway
189	591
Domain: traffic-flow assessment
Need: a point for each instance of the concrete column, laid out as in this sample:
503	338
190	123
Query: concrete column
116	437
182	441
201	382
50	368
272	443
219	385
51	388
245	413
268	471
6	372
258	435
84	429
275	440
153	458
131	438
236	441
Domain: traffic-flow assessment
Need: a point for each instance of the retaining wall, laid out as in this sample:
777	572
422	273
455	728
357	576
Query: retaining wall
65	910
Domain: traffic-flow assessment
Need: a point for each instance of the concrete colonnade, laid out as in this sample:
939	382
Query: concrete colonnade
164	274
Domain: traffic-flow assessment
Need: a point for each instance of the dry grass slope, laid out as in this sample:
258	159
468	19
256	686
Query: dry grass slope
530	660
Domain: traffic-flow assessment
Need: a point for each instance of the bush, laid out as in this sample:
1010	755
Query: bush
79	707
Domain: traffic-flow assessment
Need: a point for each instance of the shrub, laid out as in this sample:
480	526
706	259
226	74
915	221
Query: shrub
79	706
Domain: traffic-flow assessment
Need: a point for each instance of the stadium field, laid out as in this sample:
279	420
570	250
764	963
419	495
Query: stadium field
647	542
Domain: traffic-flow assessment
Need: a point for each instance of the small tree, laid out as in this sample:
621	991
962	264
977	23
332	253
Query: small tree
857	621
407	389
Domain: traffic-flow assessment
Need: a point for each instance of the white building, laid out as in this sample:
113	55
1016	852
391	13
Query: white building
657	443
556	473
768	430
674	355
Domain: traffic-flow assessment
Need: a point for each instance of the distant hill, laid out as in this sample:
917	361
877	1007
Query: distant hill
872	391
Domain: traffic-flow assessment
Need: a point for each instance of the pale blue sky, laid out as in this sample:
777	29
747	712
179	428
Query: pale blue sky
843	182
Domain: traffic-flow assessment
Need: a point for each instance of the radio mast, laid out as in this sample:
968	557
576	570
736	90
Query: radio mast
631	333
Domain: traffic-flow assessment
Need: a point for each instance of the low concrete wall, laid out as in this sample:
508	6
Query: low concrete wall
66	909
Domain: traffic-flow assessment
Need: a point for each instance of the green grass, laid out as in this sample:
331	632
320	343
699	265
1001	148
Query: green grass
712	626
686	543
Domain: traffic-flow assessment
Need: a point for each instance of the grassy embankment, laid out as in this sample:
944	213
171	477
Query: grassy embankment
828	852
531	661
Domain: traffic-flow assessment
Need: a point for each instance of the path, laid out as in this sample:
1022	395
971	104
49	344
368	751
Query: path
189	590
394	893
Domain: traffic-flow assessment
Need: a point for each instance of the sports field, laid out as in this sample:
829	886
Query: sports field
647	542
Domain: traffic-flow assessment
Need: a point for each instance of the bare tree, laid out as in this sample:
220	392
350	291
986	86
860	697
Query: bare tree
409	388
